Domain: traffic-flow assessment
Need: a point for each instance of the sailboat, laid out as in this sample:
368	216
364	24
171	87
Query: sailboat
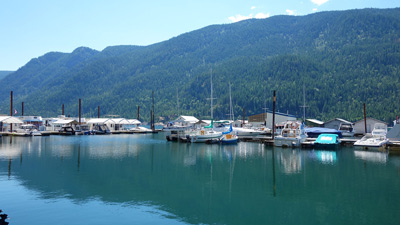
229	137
207	133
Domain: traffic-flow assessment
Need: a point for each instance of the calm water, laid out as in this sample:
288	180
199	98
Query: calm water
143	179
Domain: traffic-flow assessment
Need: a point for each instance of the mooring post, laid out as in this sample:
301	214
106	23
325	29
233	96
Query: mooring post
273	116
137	112
98	111
11	110
365	120
62	111
244	116
80	111
22	110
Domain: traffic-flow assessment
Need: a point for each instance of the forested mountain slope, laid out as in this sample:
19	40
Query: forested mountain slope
344	58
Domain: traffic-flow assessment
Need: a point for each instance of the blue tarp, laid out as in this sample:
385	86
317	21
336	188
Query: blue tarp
314	132
327	139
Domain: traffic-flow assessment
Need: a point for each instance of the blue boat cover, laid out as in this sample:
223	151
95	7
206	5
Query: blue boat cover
314	132
327	139
229	131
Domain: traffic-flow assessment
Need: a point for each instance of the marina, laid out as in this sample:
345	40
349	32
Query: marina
146	179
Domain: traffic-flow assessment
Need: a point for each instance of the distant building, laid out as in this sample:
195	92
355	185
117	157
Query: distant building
266	118
359	126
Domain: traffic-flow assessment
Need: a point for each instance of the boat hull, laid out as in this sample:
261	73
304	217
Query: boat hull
229	139
204	138
288	141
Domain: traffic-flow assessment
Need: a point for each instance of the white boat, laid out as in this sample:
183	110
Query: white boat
375	139
141	130
229	137
27	130
346	129
205	134
246	132
292	135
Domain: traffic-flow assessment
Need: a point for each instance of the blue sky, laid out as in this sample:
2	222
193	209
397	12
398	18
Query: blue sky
31	28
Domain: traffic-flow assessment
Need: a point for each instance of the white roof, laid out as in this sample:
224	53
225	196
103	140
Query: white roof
315	121
134	121
62	121
98	120
10	119
119	121
190	119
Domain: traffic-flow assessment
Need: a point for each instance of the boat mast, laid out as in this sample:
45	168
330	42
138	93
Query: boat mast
231	116
177	100
212	116
304	103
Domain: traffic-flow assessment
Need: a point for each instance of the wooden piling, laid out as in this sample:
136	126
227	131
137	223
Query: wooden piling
80	111
273	116
11	108
244	116
137	112
365	120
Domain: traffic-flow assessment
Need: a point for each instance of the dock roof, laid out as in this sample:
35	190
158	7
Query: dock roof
10	119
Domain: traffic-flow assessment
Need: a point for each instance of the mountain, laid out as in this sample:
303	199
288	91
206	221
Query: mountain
344	59
4	74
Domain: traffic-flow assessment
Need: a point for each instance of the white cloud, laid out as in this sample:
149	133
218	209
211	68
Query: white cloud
253	7
238	18
261	15
319	2
290	12
314	9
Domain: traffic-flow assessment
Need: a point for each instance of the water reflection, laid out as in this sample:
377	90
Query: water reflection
376	157
323	156
291	159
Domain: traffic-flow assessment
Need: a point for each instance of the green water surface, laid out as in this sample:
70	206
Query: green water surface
143	179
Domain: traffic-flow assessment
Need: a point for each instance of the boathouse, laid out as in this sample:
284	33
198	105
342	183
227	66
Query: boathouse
35	120
185	121
359	126
117	124
57	125
98	121
6	121
335	123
